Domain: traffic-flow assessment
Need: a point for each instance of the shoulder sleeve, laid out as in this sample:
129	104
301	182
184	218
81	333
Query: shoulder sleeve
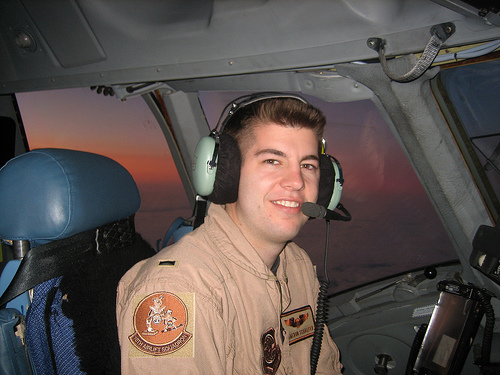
168	321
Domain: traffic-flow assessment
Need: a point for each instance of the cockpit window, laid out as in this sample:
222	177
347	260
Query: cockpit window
125	131
470	97
394	227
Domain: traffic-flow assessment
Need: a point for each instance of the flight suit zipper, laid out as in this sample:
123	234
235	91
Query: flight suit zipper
280	309
285	351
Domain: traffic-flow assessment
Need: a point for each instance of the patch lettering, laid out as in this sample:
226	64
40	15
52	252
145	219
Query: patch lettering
299	324
160	321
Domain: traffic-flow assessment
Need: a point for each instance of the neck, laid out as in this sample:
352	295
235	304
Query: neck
269	259
268	250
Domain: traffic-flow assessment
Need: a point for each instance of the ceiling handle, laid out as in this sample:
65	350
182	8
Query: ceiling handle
440	33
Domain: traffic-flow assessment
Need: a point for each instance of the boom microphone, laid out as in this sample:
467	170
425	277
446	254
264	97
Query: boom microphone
317	211
313	210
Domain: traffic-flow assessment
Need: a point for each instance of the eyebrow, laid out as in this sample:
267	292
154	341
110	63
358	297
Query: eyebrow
282	154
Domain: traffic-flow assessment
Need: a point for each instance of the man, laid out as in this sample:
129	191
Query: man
242	296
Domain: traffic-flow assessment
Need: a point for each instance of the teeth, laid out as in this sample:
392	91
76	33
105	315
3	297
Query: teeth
287	203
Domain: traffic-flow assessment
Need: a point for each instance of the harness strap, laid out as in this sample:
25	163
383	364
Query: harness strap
62	256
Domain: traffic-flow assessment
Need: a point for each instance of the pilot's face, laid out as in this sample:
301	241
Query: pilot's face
279	172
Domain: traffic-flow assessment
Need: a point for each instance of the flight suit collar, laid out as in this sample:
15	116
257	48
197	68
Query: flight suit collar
232	244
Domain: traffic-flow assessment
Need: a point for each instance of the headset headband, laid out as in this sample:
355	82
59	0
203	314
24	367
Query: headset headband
245	100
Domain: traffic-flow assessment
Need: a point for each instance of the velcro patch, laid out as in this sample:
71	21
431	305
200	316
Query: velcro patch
299	324
160	324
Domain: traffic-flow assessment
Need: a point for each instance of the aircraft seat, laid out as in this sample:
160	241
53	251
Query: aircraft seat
72	215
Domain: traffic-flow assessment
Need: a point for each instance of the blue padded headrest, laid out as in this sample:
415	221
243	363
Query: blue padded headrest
51	194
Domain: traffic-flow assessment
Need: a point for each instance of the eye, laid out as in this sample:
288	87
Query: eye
271	161
310	167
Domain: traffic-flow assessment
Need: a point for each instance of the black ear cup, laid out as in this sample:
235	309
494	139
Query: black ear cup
326	180
227	180
330	182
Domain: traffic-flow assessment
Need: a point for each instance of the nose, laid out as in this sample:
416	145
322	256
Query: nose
292	178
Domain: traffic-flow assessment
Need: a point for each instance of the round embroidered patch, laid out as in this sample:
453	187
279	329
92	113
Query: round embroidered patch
160	321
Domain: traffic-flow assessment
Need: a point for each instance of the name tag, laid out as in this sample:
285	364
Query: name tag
299	324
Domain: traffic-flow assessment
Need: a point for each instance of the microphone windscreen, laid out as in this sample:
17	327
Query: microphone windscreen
313	209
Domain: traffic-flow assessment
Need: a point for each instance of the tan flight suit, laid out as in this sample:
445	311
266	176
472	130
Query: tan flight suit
209	305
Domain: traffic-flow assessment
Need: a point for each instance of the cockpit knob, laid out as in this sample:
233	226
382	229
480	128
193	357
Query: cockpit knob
430	272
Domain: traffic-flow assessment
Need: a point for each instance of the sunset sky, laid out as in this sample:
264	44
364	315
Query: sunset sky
80	119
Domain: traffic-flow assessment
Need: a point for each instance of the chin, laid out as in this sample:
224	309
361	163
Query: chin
290	233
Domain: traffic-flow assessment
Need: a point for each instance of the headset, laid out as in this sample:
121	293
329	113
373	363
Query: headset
217	160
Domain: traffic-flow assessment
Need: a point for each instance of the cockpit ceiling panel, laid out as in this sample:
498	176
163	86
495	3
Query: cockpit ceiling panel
488	10
82	48
60	44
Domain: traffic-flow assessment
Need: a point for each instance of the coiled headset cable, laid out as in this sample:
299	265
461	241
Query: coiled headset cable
314	210
321	309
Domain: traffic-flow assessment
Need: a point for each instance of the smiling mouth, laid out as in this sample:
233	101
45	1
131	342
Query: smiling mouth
287	203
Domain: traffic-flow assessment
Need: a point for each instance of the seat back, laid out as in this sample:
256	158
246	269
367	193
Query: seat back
75	210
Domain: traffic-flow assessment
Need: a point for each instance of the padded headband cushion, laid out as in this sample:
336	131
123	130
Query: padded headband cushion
227	180
326	180
51	194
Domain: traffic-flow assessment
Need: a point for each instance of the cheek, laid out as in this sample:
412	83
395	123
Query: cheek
246	182
254	179
312	184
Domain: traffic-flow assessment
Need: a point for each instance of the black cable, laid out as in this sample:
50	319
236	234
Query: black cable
415	348
321	309
488	327
325	260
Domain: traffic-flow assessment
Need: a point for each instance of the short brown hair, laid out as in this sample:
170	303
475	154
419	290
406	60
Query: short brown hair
284	111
